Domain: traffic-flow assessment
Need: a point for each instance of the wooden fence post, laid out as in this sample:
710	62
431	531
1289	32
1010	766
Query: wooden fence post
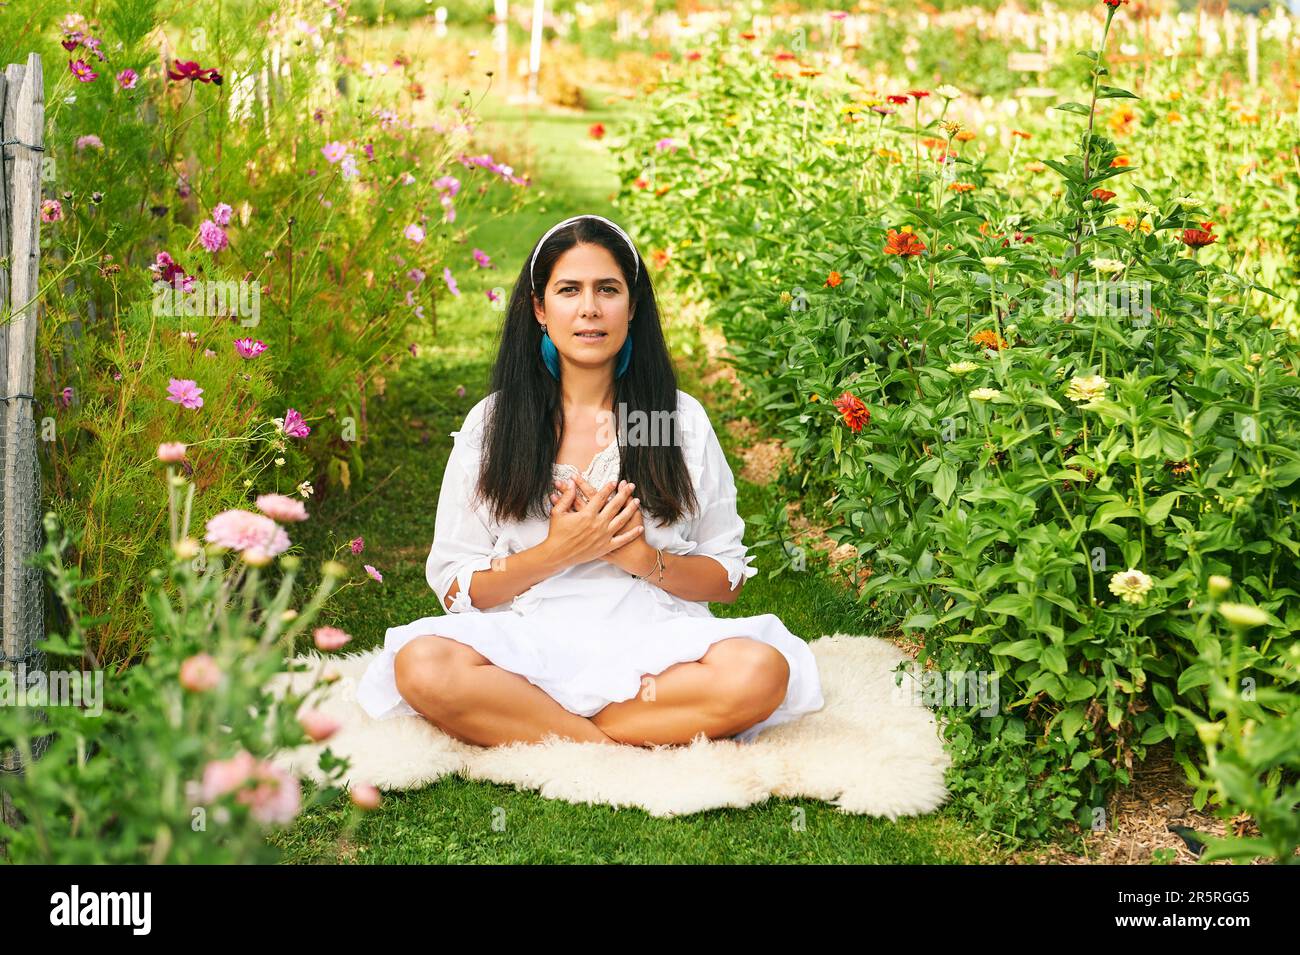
22	133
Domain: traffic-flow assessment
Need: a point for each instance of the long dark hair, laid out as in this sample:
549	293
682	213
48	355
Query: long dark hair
524	423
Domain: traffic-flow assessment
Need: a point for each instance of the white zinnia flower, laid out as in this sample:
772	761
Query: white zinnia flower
1107	265
1087	388
1131	585
984	394
948	91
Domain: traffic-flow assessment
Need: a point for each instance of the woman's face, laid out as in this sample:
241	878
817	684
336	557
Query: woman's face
586	294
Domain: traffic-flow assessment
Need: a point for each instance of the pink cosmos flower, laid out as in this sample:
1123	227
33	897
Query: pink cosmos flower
330	638
51	210
666	143
171	452
249	347
319	726
89	141
369	150
190	70
82	71
212	237
244	530
414	233
492	294
334	151
185	392
450	280
221	214
483	259
416	275
448	208
448	184
357	544
281	508
200	673
373	573
294	426
348	168
65	397
127	79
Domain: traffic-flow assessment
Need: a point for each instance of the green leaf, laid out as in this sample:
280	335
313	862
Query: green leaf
1054	659
1159	509
945	482
1074	108
1114	92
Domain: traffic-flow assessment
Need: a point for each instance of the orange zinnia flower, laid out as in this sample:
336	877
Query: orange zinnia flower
852	409
1102	195
961	187
1119	161
904	244
989	339
964	136
834	279
1199	237
1021	133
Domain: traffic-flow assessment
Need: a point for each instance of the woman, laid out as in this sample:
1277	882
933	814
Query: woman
577	593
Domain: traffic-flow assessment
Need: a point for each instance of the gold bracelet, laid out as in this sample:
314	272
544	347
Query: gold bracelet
659	566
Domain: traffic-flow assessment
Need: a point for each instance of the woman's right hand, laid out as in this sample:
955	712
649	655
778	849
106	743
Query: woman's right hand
585	533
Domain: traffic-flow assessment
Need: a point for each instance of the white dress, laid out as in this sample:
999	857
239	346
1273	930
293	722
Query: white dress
587	635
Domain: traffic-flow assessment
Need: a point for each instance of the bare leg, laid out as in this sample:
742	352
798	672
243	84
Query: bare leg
737	683
457	689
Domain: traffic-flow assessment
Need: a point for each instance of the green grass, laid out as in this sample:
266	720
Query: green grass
393	508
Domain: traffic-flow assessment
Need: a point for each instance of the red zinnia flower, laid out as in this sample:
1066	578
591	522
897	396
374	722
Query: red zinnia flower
1199	237
833	280
1113	3
749	36
852	409
919	94
898	99
904	244
596	130
1103	195
784	56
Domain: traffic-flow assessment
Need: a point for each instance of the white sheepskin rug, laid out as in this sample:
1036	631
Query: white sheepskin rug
872	749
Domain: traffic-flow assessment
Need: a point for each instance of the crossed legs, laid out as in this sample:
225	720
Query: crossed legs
737	683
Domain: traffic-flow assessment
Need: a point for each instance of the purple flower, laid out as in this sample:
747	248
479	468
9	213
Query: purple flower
66	397
185	392
492	294
333	152
90	140
249	347
348	168
82	71
483	259
127	79
294	426
357	544
373	573
448	184
416	275
666	143
212	237
450	280
414	232
221	214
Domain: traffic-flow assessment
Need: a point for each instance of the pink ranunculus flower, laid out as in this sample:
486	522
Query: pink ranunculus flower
51	210
330	638
249	347
276	798
243	530
294	426
127	79
171	452
89	141
373	573
221	776
450	280
200	673
319	726
185	392
212	237
221	214
281	508
414	232
365	796
357	544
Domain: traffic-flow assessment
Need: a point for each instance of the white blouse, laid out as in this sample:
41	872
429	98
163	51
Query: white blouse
466	540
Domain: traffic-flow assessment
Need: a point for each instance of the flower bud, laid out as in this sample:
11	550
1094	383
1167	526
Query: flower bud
1219	585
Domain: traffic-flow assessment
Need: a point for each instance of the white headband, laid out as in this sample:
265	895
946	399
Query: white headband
636	262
